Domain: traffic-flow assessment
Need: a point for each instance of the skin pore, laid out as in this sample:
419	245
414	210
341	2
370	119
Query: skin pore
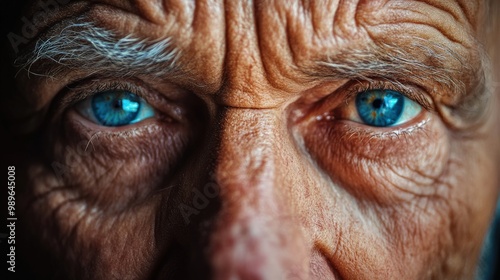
253	166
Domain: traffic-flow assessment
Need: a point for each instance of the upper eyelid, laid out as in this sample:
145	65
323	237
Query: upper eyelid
169	101
410	91
80	90
85	90
344	95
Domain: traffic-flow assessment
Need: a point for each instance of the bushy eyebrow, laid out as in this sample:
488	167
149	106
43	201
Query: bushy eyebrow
395	61
86	47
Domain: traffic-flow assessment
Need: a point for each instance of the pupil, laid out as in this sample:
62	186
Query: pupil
377	103
117	104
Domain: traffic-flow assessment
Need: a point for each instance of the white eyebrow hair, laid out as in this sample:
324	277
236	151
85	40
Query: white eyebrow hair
394	61
86	47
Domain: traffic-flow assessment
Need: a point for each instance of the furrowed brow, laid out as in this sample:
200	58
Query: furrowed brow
86	47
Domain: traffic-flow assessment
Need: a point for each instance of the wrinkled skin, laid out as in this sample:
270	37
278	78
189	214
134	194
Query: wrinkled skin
293	194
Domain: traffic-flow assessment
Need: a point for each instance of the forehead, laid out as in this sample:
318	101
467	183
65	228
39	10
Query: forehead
271	46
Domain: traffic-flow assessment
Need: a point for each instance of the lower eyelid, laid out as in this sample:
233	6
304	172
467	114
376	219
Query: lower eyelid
407	128
92	127
351	128
341	147
158	145
330	140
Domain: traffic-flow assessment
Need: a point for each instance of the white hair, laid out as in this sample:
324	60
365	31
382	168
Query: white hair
85	46
443	65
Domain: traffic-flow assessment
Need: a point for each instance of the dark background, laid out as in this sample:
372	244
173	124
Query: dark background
13	151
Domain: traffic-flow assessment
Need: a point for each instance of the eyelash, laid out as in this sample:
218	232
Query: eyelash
409	91
167	109
336	100
85	90
322	115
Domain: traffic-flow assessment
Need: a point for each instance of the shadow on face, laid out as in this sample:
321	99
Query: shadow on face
251	139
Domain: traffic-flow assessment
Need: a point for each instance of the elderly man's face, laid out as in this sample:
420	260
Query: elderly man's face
258	139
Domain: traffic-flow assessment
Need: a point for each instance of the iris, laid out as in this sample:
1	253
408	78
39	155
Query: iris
380	108
115	108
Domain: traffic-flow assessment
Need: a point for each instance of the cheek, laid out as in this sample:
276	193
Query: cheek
475	175
98	190
112	170
71	232
384	168
408	192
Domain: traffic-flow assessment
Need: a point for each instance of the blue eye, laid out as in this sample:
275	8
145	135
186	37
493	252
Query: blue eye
115	108
383	108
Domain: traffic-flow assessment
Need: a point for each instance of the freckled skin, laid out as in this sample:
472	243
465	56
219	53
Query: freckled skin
297	196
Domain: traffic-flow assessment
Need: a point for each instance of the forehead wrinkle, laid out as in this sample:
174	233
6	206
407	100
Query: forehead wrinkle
419	17
276	45
151	10
474	10
244	74
464	12
277	57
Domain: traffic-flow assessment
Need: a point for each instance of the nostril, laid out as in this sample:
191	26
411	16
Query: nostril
172	264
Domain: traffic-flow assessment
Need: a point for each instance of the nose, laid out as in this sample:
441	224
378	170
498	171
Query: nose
256	233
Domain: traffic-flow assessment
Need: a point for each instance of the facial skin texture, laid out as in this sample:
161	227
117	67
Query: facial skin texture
253	112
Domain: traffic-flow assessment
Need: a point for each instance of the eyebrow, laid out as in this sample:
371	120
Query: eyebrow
82	46
86	47
386	60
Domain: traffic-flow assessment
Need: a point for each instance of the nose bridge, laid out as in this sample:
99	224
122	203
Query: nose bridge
256	223
250	159
248	149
